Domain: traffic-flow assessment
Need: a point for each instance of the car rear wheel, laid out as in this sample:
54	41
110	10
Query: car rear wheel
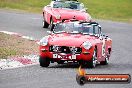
45	24
51	25
106	61
44	62
93	61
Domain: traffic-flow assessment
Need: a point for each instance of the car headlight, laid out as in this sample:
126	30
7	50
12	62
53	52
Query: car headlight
57	16
87	45
44	41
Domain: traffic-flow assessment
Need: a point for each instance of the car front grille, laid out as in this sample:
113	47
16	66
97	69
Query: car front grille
65	49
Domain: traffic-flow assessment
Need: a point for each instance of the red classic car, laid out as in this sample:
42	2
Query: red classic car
59	10
75	41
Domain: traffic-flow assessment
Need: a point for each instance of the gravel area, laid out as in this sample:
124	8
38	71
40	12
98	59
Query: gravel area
11	45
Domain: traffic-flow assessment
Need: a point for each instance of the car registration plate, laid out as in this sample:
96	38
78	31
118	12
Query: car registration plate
64	56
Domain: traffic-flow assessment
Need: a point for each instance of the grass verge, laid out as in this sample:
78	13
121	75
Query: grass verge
12	45
117	10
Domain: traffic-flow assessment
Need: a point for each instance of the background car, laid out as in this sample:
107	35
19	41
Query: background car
64	0
56	11
76	41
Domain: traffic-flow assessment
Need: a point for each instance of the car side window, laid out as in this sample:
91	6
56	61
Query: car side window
96	29
91	29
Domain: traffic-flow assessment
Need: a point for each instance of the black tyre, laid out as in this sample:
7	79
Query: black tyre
44	62
106	61
93	61
83	63
51	25
45	24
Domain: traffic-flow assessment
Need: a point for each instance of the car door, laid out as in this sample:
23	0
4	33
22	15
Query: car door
100	43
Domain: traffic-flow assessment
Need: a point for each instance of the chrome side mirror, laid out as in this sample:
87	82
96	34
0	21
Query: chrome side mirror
97	35
84	10
49	32
48	6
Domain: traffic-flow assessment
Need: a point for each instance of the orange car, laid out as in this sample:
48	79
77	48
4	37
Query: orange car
75	41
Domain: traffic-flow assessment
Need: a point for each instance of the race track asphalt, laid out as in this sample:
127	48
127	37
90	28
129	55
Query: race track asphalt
63	76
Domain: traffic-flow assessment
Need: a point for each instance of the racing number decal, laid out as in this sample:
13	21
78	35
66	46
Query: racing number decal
103	48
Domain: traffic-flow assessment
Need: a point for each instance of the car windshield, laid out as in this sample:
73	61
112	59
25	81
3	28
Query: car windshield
76	27
68	5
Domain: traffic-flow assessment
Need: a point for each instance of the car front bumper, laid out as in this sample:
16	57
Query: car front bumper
84	55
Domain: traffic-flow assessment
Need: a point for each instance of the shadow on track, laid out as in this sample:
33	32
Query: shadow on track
76	65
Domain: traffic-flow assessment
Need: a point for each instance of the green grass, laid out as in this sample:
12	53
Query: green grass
118	10
28	5
5	52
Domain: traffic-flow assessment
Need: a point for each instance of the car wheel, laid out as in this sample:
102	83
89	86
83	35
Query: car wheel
45	24
83	63
51	25
105	62
93	61
44	62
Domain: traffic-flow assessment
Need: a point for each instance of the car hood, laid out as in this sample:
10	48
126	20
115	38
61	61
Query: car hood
70	39
70	14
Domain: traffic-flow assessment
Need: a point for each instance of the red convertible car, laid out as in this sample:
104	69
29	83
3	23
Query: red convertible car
59	10
75	41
